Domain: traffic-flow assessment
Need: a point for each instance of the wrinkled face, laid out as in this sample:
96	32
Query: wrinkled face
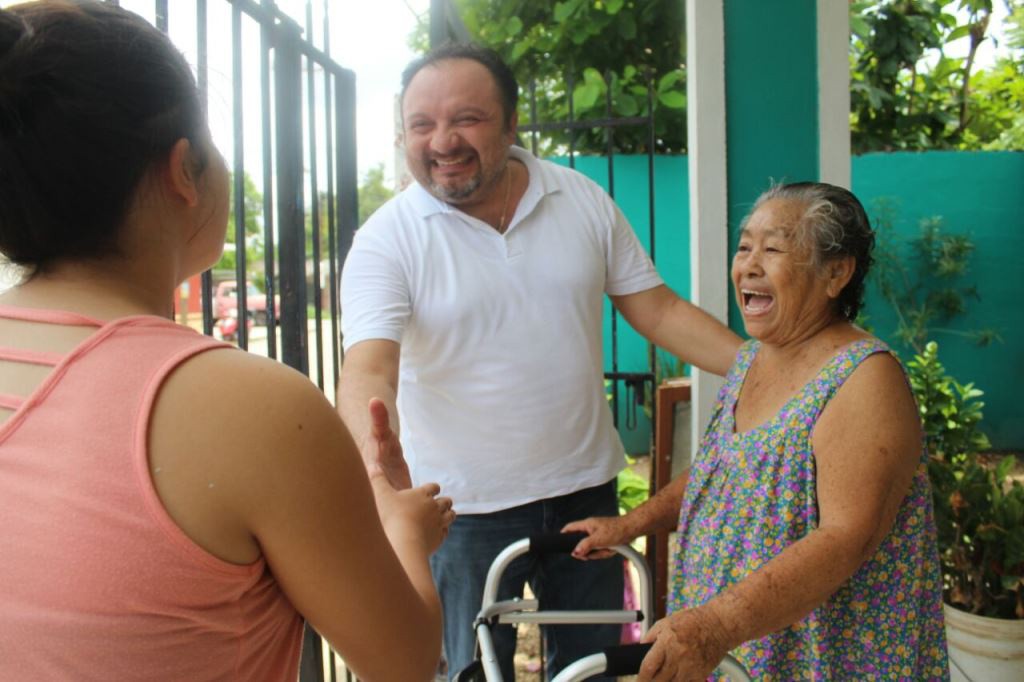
783	297
456	141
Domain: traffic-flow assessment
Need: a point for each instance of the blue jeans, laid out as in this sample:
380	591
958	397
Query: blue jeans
557	580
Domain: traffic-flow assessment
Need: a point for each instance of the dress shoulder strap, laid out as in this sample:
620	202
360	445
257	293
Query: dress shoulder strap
838	369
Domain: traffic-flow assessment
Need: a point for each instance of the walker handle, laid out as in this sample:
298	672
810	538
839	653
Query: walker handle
555	543
625	659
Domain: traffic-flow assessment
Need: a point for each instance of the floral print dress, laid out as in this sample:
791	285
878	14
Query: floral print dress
752	494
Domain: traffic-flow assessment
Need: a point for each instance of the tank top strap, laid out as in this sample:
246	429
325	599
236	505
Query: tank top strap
48	316
32	357
10	402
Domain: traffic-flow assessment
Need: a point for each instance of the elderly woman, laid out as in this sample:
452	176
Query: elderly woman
806	537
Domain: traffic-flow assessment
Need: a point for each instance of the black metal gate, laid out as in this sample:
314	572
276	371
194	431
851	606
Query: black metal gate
301	136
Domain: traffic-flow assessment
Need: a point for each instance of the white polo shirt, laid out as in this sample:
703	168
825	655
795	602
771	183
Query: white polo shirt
501	393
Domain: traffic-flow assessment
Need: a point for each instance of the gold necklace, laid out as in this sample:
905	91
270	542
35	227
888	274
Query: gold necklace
508	193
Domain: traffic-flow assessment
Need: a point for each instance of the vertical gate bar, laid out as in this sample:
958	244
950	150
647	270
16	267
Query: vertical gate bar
332	221
292	246
311	664
270	281
609	134
161	24
651	140
610	150
569	86
161	15
315	198
533	116
655	551
241	281
348	197
202	78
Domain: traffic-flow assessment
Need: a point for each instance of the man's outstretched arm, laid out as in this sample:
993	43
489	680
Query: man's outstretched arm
680	327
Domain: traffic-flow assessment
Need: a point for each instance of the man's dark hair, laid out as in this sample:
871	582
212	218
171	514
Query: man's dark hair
91	96
491	60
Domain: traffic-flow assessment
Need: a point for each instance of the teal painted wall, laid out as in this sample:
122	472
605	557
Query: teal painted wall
771	102
980	194
671	254
977	193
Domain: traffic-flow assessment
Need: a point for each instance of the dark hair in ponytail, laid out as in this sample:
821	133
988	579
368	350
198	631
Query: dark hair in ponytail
91	96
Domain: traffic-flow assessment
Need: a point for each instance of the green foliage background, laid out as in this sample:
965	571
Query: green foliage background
907	92
599	46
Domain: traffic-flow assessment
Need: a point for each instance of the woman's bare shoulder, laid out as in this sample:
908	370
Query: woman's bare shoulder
875	399
233	436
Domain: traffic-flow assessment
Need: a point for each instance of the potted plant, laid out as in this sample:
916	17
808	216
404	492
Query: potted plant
979	513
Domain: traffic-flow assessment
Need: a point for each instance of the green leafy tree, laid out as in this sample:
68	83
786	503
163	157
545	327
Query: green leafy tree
373	192
999	92
584	51
908	94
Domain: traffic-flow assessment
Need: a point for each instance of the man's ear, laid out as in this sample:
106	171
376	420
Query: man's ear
182	173
839	272
513	123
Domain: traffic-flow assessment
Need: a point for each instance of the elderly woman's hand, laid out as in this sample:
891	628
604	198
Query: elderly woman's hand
602	532
688	645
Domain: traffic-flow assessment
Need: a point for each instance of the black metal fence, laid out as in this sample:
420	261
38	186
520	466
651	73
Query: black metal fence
298	131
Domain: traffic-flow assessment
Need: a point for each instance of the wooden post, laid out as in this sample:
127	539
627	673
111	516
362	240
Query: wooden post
670	392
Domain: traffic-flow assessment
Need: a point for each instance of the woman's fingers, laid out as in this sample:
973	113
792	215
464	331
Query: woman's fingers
600	535
652	663
431	489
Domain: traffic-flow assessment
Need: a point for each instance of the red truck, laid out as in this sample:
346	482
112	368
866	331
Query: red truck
225	299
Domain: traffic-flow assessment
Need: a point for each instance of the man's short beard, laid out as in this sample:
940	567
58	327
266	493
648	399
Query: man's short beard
456	193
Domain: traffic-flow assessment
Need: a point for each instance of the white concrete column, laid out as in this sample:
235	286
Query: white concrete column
833	19
709	244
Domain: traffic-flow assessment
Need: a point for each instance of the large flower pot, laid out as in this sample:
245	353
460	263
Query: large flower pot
984	649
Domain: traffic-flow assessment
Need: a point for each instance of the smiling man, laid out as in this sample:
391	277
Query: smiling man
472	309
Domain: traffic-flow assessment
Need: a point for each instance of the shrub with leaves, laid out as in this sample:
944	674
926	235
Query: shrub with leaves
633	489
979	510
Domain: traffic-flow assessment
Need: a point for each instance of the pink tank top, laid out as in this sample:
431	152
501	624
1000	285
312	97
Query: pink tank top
97	582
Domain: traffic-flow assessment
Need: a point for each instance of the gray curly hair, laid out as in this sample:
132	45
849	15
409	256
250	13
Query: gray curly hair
835	225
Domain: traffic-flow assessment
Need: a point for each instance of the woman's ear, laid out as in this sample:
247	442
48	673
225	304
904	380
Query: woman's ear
182	173
839	271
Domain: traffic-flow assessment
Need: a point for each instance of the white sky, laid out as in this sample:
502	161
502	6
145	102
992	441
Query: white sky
368	37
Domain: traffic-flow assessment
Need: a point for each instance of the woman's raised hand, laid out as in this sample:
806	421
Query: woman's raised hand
415	515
